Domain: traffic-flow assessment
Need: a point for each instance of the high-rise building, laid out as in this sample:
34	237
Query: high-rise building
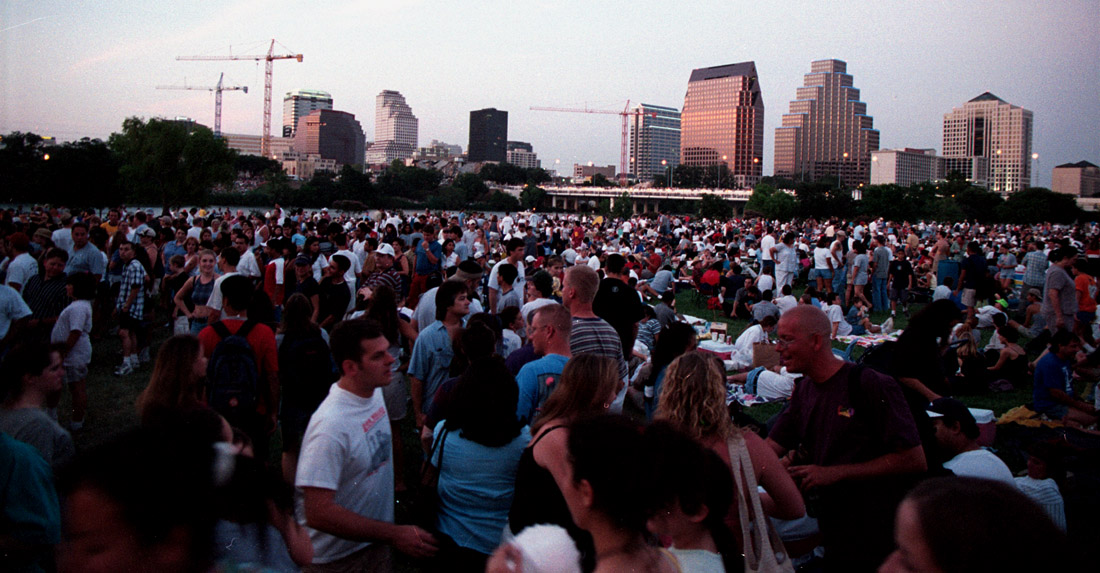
250	144
828	131
522	154
298	104
1081	179
991	128
654	137
723	121
438	150
331	134
488	135
904	166
395	129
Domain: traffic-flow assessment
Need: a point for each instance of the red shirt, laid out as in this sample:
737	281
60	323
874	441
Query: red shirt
262	340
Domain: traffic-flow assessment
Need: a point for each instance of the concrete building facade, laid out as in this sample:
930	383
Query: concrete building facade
723	121
905	166
522	154
827	131
488	135
654	137
300	103
1081	179
990	128
396	129
250	144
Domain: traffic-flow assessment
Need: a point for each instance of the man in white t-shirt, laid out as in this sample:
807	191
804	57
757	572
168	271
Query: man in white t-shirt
840	327
22	266
957	435
247	266
345	473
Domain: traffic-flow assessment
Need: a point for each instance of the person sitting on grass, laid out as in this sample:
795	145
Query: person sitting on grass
1053	394
861	323
743	348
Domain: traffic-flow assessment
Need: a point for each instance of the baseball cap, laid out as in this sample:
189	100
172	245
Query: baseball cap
303	260
529	259
1036	292
955	411
384	249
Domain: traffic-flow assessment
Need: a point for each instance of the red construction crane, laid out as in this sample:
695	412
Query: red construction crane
269	57
218	89
625	113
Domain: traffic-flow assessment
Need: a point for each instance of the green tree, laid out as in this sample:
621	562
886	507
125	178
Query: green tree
22	167
475	189
500	201
599	180
624	206
532	197
172	162
712	206
256	165
1039	205
978	204
82	174
769	202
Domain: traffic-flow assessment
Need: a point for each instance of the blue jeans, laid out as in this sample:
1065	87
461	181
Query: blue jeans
840	282
878	294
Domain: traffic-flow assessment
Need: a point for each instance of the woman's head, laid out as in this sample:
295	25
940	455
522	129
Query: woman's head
31	366
297	314
588	385
179	366
693	397
484	403
967	524
610	480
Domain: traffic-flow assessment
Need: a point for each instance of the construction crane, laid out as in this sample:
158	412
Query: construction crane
218	89
625	113
269	57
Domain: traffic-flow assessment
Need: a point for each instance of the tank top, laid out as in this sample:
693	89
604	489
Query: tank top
537	499
200	292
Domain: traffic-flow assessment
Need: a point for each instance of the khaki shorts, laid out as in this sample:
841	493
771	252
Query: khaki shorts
969	297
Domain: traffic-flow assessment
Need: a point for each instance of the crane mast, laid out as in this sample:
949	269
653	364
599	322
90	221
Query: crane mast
626	115
218	89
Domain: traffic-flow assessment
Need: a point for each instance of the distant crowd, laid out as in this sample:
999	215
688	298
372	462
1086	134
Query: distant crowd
528	385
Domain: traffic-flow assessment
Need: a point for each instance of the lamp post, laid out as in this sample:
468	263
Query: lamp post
720	171
668	173
1035	182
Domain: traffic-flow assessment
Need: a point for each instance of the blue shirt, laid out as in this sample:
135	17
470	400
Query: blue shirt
86	260
536	380
1051	373
476	485
423	266
431	358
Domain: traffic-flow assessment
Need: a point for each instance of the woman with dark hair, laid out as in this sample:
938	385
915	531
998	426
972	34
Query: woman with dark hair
609	491
477	450
31	372
917	362
674	340
312	249
952	524
587	386
1011	363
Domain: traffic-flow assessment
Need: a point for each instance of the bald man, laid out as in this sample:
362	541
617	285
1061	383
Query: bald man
848	440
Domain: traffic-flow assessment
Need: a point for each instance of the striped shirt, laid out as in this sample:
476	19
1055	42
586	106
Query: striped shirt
596	336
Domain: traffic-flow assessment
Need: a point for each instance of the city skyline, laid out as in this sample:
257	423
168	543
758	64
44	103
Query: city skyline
73	71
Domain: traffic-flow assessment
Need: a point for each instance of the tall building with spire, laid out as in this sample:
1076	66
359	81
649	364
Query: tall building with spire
992	132
723	121
395	129
300	103
654	140
828	131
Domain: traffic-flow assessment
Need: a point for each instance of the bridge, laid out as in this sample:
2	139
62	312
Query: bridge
645	200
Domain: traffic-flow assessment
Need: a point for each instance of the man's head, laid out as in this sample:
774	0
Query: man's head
615	264
229	259
803	333
514	247
54	263
452	298
361	353
429	232
126	251
506	274
240	242
1065	344
955	427
467	272
236	294
80	235
19	242
540	285
549	329
578	288
383	256
338	265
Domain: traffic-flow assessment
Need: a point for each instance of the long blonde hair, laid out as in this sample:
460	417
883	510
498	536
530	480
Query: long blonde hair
694	396
586	382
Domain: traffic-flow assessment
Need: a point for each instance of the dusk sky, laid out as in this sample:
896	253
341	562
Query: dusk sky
72	69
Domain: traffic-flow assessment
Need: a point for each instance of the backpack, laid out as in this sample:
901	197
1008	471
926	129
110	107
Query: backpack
306	371
232	376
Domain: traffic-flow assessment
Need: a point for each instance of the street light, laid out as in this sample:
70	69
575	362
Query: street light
1035	170
720	171
668	173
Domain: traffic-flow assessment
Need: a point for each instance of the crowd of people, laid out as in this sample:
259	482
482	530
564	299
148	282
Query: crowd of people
539	366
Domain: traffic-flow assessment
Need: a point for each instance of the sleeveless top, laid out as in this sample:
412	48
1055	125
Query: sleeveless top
537	499
200	292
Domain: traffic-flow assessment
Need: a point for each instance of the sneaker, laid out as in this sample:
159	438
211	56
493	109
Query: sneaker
124	369
888	325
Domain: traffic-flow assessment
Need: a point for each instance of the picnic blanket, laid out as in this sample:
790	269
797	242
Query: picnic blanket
1025	416
869	340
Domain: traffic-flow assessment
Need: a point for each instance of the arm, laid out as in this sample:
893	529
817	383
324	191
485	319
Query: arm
407	330
1072	402
294	535
324	514
70	342
1002	359
895	463
962	277
181	296
914	384
316	300
782	500
1056	304
416	389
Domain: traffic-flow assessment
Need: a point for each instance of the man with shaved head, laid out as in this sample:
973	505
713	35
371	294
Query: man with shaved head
849	441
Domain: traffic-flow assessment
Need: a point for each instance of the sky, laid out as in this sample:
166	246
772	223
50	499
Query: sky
72	69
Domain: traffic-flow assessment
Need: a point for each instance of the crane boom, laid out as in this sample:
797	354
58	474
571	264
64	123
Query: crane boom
269	58
625	113
218	89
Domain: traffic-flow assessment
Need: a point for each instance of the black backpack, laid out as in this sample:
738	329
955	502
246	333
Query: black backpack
232	377
306	370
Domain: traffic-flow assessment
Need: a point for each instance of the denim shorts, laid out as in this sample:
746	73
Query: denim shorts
821	274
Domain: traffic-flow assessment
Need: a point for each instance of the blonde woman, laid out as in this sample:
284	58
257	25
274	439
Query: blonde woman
192	297
694	400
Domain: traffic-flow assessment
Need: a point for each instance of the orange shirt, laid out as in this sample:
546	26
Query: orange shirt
1085	301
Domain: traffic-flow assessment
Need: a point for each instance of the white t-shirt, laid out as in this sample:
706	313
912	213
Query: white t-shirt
21	269
836	314
822	256
76	316
1045	493
12	308
248	267
786	303
526	310
347	448
215	300
742	353
766	245
63	239
980	464
518	284
765	282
